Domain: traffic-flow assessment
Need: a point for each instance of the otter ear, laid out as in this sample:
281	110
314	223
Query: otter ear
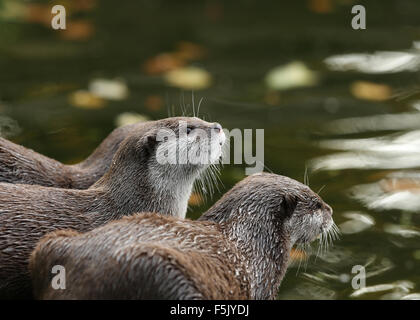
289	204
147	143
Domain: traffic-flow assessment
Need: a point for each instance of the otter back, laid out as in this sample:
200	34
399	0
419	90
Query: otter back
141	257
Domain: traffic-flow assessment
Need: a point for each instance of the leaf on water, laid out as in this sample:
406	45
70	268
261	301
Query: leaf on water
189	51
195	200
109	89
154	102
38	13
86	100
80	5
162	63
370	91
126	118
297	255
292	75
189	78
272	98
77	30
48	89
321	6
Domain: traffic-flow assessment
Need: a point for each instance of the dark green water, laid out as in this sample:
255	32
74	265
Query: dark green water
244	40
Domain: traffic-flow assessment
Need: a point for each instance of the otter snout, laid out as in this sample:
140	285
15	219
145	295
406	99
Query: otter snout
217	127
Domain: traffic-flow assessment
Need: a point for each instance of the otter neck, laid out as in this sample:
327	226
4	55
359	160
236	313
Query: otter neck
266	254
90	170
140	189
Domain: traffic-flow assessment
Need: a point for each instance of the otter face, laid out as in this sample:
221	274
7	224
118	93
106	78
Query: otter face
188	144
311	218
288	205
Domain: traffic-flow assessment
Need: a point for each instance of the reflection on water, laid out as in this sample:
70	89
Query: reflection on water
341	102
379	62
400	121
386	152
399	190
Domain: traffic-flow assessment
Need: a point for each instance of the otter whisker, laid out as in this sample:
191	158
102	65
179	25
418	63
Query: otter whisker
306	177
320	189
198	108
192	98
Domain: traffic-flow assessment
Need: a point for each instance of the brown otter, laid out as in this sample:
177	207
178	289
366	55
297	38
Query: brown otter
22	165
239	248
138	180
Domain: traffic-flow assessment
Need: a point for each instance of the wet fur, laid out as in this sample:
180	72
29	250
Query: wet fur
29	212
239	248
22	165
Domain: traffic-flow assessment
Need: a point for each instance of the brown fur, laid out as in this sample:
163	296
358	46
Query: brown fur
28	212
239	249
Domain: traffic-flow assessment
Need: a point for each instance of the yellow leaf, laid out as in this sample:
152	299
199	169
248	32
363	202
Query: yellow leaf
86	100
370	91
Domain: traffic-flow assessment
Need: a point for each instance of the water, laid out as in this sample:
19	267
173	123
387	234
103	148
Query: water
372	185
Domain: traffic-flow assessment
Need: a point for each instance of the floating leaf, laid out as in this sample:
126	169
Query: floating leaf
292	75
321	6
195	200
86	100
109	89
189	51
297	255
189	78
154	102
163	63
127	118
77	30
38	13
370	91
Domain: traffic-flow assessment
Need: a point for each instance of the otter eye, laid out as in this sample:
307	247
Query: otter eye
189	129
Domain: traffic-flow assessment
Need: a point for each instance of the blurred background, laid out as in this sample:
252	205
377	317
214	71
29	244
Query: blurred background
341	104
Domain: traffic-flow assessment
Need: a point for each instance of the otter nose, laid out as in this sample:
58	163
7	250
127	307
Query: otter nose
217	127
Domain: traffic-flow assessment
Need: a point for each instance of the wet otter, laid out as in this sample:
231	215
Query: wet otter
22	165
138	180
238	249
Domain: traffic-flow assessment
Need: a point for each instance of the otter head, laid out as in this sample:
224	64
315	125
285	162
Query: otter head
265	215
186	146
158	163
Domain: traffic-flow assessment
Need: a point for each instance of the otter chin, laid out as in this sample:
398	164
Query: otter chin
238	249
138	180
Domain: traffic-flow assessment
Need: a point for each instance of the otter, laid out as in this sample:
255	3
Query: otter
238	249
22	165
137	180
